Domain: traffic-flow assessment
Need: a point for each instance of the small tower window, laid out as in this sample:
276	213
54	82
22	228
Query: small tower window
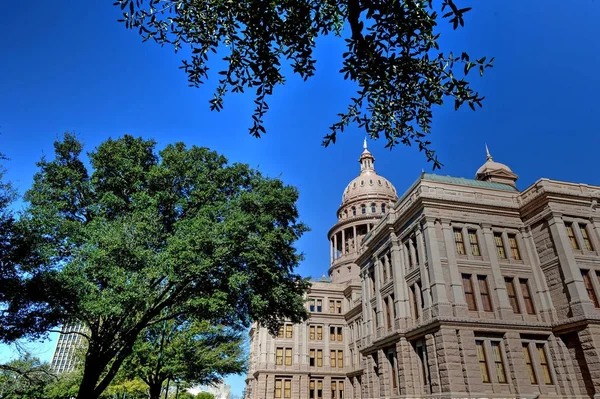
362	183
363	209
371	182
354	185
353	211
382	208
379	181
373	208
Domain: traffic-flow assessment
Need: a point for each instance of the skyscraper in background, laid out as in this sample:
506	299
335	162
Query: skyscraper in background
69	340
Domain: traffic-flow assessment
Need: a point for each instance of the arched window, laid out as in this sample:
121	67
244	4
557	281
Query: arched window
345	214
363	209
353	211
382	208
373	208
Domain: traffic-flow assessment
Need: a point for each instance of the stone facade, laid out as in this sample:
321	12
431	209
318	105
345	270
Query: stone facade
459	288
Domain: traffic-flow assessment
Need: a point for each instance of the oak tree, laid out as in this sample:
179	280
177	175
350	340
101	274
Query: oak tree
141	231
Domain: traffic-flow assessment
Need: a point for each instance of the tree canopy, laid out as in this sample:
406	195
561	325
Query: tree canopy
25	378
194	352
392	55
145	231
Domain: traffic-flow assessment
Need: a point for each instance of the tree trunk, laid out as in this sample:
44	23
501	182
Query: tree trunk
155	390
91	375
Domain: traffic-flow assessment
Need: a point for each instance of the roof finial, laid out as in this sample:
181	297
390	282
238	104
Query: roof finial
487	153
365	143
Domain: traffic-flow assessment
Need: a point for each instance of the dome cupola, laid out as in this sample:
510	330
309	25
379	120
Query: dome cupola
496	172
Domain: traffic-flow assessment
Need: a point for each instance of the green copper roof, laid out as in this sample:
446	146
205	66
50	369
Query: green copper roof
467	182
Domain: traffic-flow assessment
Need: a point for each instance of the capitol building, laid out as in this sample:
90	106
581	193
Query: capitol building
456	288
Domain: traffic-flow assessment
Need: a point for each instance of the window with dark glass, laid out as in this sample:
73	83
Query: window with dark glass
414	301
353	211
312	358
319	305
383	270
414	243
392	362
339	333
483	369
363	209
382	208
586	238
315	389
499	245
512	294
388	316
373	208
571	234
474	242
527	296
589	287
484	293
469	293
514	247
529	363
375	317
338	307
458	240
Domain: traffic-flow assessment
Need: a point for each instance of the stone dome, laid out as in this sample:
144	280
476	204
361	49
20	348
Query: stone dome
368	184
492	166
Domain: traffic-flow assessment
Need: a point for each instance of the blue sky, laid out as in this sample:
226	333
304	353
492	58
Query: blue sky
69	66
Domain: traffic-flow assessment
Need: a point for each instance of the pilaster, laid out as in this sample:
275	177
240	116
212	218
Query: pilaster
503	305
459	305
441	304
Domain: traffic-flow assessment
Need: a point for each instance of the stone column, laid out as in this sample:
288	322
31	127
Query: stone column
378	301
594	231
469	361
441	304
516	370
459	303
504	310
541	291
425	284
449	364
330	251
580	302
343	241
590	344
335	247
402	304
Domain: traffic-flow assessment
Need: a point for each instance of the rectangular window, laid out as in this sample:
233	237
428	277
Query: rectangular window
389	263
332	357
571	235
311	359
414	244
498	362
340	389
410	260
332	333
458	240
287	388
278	385
288	356
499	245
339	334
529	363
315	389
340	359
392	360
311	333
319	358
393	307
319	333
544	364
485	293
338	307
280	332
586	237
388	315
474	243
288	330
279	356
485	377
514	247
469	294
334	390
331	306
526	296
512	294
589	287
384	270
312	302
319	305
